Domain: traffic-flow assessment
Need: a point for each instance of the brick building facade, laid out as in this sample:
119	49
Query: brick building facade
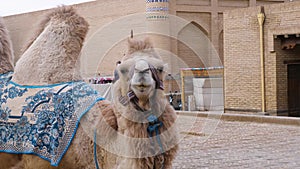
205	16
242	63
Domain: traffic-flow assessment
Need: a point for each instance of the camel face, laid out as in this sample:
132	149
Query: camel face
142	82
143	75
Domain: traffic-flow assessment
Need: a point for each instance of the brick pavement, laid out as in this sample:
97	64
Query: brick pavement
235	144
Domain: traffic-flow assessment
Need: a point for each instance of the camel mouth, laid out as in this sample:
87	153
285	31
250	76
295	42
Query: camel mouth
142	87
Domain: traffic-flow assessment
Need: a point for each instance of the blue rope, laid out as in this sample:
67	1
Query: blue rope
95	149
159	140
154	125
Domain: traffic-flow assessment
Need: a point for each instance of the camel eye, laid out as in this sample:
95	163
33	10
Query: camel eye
160	69
123	70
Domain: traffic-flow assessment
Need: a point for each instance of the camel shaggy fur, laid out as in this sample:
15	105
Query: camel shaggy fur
53	57
6	50
61	33
138	95
136	131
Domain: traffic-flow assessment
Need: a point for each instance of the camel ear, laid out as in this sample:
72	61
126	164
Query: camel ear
166	67
165	70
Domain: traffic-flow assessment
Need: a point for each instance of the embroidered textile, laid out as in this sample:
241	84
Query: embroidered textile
42	120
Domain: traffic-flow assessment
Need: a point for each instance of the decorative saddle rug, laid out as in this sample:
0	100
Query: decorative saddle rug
42	120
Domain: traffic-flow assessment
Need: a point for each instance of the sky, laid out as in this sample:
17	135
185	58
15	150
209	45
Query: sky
12	7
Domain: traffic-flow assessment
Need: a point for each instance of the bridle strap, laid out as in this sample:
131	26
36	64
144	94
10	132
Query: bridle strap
131	97
153	131
158	82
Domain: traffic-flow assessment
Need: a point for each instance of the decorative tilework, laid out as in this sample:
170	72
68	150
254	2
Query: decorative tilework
151	9
151	1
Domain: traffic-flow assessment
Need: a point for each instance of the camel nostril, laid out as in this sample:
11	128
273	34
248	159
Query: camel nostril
142	79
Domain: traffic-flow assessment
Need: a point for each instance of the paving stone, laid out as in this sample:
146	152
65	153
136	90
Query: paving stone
235	144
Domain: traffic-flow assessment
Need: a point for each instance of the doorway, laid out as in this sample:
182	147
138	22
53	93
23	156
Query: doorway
294	90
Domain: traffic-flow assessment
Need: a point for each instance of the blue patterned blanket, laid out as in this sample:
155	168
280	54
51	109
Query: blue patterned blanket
42	120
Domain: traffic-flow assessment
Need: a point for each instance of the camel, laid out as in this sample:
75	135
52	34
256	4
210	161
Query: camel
52	58
137	130
145	118
6	51
6	67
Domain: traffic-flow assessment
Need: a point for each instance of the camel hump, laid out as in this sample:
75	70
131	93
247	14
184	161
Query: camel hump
6	52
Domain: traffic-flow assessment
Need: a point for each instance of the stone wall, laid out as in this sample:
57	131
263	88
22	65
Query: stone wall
241	43
242	73
98	14
207	15
242	59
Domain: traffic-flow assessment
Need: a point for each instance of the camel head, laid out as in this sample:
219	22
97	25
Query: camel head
141	73
53	54
6	52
